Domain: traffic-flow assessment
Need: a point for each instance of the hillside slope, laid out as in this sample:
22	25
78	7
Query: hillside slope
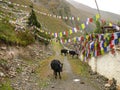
48	23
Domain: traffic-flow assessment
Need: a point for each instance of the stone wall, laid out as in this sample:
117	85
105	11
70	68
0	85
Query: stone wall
107	65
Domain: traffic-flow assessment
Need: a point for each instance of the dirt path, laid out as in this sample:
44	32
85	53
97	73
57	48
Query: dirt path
72	81
69	81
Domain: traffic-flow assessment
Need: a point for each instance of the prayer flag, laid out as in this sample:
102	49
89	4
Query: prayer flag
90	19
75	29
74	39
83	26
66	33
110	24
69	40
95	53
55	35
60	34
97	16
70	31
78	18
92	45
102	51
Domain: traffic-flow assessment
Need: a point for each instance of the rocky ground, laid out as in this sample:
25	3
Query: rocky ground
18	65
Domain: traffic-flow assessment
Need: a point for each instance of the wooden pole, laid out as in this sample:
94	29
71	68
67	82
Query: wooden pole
97	8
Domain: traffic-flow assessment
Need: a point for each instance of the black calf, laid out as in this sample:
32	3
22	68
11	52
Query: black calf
57	66
73	53
64	51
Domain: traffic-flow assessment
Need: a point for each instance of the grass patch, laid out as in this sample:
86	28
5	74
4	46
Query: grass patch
53	24
6	85
10	37
79	67
3	62
44	69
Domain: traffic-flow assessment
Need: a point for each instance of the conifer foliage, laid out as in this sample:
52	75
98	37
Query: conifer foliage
32	20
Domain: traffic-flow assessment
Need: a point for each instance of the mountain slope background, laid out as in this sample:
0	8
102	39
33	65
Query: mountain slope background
83	10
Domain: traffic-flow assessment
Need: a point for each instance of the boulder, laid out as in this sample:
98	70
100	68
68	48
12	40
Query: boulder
2	74
3	48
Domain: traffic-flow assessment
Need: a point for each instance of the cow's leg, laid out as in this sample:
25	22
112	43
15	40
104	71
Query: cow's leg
65	54
72	55
77	55
55	73
59	75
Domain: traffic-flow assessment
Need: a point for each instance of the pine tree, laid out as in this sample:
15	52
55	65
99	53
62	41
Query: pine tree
32	20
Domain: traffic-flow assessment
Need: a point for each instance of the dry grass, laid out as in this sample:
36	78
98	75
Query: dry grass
79	67
44	69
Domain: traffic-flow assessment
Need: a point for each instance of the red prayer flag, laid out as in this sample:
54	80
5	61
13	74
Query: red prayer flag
112	36
66	33
90	19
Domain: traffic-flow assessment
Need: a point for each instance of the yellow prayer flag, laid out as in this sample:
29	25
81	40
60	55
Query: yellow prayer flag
74	39
83	26
105	44
105	35
65	41
102	51
97	16
87	36
60	34
95	45
70	31
52	34
110	24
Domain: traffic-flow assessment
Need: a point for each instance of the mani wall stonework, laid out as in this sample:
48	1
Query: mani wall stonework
107	65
